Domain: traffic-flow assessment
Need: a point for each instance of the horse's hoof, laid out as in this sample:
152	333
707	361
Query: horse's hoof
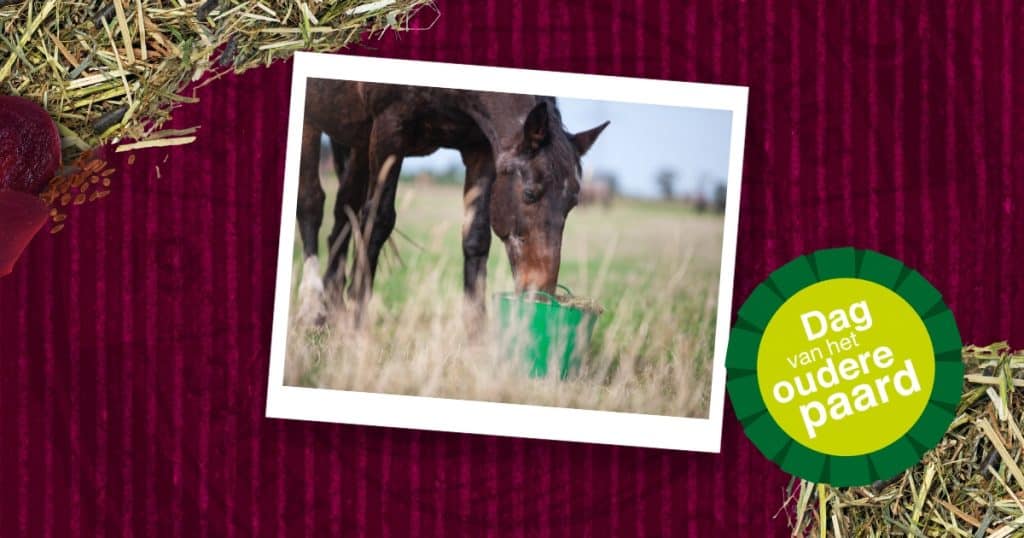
311	312
312	304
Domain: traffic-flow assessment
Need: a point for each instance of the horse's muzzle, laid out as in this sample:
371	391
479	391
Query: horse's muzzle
534	280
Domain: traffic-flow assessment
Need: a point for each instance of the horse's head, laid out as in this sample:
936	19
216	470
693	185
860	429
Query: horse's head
537	184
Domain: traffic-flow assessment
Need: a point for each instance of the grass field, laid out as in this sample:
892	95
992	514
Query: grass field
653	266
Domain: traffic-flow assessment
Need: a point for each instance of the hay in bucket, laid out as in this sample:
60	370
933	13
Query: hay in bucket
112	71
588	305
971	484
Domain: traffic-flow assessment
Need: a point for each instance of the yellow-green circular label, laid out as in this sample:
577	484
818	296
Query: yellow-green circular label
845	367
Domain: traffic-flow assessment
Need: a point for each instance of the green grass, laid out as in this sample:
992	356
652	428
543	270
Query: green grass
652	265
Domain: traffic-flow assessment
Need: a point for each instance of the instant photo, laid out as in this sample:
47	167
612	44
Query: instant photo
507	252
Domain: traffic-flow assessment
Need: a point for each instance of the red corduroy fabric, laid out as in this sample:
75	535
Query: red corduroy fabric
134	344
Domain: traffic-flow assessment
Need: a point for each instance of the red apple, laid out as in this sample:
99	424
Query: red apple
29	158
29	146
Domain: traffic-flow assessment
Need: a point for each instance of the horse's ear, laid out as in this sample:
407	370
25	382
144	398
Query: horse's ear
583	140
536	130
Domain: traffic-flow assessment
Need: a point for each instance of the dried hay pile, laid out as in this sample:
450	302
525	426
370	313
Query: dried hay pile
585	304
970	485
109	71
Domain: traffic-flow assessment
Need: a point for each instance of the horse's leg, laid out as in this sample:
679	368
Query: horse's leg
310	217
352	169
476	231
378	214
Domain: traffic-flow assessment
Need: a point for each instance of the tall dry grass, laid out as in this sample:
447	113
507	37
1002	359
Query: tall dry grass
653	267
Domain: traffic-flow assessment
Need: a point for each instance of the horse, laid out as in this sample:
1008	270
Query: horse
597	189
522	178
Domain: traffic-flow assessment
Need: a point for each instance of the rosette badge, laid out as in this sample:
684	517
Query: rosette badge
844	367
29	158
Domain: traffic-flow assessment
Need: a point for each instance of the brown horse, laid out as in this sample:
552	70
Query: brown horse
522	177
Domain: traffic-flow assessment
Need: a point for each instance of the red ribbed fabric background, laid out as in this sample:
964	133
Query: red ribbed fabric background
135	343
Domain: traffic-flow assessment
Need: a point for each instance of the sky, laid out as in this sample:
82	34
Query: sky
641	141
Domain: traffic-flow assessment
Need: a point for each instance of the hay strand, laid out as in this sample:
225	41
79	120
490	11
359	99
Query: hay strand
156	143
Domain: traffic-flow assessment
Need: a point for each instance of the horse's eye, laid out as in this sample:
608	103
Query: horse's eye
532	193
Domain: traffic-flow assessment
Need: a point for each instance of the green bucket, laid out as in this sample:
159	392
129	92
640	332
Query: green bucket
539	331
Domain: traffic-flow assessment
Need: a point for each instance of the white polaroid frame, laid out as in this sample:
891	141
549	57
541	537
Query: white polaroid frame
492	418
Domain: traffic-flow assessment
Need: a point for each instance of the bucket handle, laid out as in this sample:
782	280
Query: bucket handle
550	297
544	294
